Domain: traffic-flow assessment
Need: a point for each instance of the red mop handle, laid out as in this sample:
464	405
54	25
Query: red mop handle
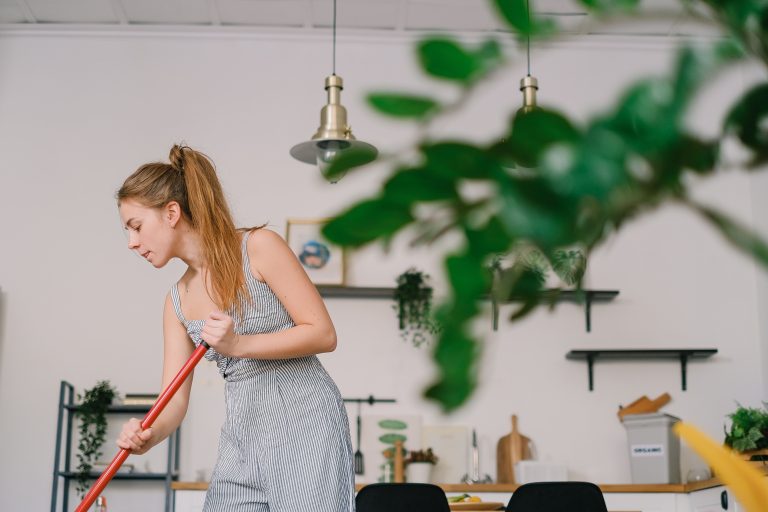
147	422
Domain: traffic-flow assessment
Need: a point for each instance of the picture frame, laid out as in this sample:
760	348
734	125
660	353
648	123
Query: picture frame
323	261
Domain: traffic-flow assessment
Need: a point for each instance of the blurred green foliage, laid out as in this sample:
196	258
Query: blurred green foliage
556	186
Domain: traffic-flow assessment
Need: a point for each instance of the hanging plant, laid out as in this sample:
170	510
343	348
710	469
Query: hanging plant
413	303
93	428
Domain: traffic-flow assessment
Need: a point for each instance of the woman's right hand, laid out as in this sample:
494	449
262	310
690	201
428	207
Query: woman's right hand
133	438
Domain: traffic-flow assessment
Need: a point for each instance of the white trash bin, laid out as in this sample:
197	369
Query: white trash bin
654	450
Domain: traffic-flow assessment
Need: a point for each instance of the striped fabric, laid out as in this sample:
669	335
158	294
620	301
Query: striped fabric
285	444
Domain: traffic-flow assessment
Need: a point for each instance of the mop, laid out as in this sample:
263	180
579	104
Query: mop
147	422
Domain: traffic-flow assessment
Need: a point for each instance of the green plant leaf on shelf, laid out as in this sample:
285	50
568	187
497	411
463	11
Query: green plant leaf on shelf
569	265
92	429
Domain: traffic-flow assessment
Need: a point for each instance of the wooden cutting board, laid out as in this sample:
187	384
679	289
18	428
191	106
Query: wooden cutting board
511	449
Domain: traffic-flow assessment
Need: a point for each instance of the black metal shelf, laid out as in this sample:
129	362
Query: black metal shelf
587	297
356	292
680	354
63	472
139	475
118	409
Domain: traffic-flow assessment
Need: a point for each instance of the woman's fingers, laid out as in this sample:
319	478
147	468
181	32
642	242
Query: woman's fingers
133	438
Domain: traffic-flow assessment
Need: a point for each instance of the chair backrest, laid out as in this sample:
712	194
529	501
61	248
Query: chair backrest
401	498
557	497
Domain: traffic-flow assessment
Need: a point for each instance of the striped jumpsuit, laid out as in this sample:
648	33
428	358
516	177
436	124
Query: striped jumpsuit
285	443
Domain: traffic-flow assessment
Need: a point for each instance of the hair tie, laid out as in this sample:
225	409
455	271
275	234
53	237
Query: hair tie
180	166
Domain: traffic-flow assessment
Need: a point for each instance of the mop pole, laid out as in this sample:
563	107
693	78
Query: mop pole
147	422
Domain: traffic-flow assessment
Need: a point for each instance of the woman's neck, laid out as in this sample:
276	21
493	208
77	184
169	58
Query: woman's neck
189	249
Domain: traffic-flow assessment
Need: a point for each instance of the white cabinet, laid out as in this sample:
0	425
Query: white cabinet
646	501
189	501
715	499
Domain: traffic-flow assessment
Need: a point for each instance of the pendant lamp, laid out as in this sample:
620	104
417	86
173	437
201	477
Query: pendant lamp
528	84
334	134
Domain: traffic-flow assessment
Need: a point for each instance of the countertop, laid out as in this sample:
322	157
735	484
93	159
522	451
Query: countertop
476	488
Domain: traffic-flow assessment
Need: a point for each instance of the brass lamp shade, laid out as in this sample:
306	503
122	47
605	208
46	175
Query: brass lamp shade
334	134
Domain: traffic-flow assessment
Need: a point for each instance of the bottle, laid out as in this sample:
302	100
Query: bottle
101	504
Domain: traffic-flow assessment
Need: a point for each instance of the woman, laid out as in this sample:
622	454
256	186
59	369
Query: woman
285	443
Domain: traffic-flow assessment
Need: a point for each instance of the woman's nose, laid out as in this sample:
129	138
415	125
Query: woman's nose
133	241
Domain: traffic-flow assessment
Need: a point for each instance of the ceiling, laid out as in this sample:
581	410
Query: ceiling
657	18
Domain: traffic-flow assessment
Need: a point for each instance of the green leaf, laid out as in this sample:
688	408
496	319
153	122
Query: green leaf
489	52
517	15
413	185
691	153
366	221
455	355
647	117
533	132
348	159
446	59
569	265
530	210
738	235
748	118
458	160
607	6
469	280
488	239
403	105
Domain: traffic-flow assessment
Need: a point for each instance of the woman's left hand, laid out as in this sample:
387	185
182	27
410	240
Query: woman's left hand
219	333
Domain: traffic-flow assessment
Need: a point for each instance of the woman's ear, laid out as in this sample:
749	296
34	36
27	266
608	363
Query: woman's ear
172	212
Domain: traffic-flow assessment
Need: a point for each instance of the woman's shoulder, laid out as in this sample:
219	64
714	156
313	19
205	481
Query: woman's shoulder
262	237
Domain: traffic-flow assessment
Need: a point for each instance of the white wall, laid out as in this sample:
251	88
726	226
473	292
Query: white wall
78	112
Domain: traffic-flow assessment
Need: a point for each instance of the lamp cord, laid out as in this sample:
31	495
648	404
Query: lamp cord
334	37
528	11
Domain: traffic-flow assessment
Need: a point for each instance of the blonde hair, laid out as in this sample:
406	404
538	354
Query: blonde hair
190	180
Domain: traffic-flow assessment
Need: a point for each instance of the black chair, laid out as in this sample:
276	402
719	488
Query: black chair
401	498
557	497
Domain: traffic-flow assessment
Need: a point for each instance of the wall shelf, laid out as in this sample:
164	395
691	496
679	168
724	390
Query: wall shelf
680	354
356	292
587	297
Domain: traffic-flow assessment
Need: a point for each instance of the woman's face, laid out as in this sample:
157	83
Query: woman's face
150	231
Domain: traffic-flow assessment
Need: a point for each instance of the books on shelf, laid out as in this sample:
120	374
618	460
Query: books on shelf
139	399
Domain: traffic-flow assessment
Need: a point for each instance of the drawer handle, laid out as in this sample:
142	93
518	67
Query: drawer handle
724	500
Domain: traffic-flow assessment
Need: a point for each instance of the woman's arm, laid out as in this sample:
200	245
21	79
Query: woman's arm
274	262
177	348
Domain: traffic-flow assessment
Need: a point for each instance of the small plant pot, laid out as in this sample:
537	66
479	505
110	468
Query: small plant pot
418	472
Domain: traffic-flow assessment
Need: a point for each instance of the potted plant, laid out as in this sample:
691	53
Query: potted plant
749	432
413	303
93	428
418	465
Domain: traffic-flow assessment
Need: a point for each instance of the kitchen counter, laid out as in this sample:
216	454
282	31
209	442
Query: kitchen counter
704	496
479	488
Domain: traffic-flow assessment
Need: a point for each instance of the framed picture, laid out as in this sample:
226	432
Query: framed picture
323	262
